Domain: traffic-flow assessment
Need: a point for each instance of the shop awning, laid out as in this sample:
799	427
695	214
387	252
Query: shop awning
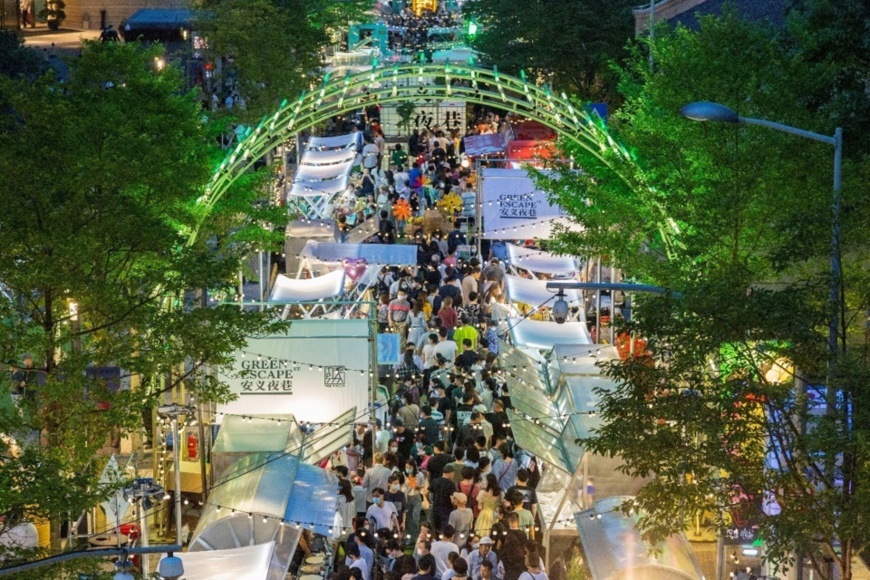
250	503
160	19
287	289
339	141
373	254
544	335
523	367
541	441
319	188
327	156
316	173
247	563
615	550
542	262
535	293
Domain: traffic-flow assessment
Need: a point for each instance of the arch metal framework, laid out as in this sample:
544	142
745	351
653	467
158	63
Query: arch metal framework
402	82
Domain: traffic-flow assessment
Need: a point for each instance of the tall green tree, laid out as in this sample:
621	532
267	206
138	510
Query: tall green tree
736	221
275	47
102	177
569	43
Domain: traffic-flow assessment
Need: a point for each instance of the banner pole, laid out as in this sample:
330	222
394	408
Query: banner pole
373	367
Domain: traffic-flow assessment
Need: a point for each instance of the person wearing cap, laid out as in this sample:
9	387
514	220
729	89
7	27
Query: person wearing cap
482	554
462	516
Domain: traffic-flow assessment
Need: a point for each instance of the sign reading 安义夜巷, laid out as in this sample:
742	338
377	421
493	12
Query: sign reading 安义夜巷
317	371
522	206
513	208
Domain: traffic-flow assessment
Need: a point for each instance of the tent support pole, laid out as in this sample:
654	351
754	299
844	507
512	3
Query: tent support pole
478	209
548	527
598	303
373	367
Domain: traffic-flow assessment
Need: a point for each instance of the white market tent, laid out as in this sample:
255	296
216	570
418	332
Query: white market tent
250	503
549	415
616	551
544	335
320	289
323	173
539	262
535	294
316	256
247	563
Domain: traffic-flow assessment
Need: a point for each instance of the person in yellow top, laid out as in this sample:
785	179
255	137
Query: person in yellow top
465	331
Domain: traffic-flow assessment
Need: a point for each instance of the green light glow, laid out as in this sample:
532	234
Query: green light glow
381	85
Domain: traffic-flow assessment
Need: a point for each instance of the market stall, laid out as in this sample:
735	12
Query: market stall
323	173
540	264
615	550
544	335
311	296
260	502
529	293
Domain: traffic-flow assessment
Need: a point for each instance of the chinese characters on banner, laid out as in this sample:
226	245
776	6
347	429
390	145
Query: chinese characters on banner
316	371
448	115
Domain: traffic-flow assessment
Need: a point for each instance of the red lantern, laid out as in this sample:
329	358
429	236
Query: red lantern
192	446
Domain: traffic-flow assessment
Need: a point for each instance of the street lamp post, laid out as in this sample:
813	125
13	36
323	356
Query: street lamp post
707	111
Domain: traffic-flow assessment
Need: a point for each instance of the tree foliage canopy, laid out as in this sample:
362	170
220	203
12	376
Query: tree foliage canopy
102	175
569	43
736	220
276	46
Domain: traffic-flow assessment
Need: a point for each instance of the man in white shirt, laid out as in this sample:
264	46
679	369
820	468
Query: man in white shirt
370	154
442	548
383	514
446	348
376	477
382	438
357	561
400	178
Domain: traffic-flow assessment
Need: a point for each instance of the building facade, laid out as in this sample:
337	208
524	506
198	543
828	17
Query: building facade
95	14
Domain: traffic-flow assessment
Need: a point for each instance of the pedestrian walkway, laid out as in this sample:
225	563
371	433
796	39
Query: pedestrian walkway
64	41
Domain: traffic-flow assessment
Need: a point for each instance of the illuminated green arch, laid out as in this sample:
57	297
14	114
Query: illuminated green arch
381	85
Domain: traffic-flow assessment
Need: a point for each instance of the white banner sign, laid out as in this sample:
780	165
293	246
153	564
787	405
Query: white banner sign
315	372
513	208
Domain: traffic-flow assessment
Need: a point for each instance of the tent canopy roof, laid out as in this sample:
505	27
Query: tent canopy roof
303	290
541	262
535	293
615	550
379	254
544	335
240	435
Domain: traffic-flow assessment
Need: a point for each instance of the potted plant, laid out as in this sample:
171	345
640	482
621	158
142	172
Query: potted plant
53	13
405	110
